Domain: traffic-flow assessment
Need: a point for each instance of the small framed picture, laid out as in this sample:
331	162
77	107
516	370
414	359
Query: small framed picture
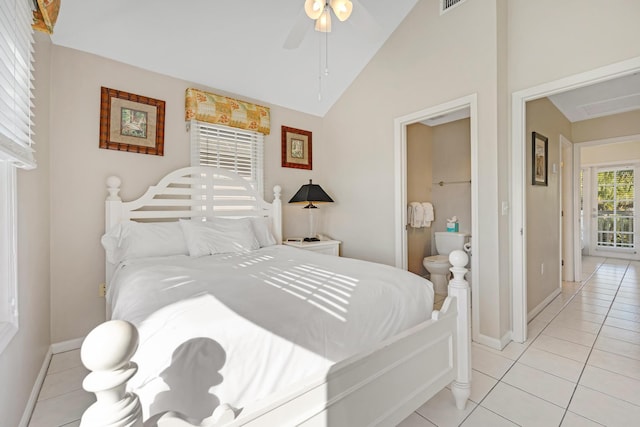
296	148
131	122
539	160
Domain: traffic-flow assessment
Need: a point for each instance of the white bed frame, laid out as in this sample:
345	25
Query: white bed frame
376	388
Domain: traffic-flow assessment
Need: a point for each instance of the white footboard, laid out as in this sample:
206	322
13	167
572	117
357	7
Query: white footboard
377	388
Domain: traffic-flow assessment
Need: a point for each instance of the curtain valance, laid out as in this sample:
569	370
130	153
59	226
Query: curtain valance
45	16
211	108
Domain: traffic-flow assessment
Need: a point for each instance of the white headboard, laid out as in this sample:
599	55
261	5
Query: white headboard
192	192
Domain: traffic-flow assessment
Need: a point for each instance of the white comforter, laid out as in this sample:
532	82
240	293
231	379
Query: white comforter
234	328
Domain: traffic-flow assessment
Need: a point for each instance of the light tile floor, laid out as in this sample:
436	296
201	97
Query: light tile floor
579	367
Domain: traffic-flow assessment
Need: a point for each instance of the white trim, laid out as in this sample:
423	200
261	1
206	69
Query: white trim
35	391
577	232
537	309
518	178
61	347
498	344
9	318
569	213
400	157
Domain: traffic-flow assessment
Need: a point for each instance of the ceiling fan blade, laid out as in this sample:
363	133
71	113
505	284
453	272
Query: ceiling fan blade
362	19
298	31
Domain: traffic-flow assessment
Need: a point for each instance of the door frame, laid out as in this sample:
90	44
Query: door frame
518	178
400	161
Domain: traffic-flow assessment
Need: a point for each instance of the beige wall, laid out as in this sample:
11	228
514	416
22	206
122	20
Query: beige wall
434	154
543	204
22	360
452	163
610	153
79	170
419	178
617	125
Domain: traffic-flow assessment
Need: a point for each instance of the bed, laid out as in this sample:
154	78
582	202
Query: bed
222	328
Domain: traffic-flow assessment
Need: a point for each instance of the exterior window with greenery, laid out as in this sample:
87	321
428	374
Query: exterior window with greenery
615	216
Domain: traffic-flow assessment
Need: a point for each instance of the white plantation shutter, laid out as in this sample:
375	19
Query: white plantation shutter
233	149
16	55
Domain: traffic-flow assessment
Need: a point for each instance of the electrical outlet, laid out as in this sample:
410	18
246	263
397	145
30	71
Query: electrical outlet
102	290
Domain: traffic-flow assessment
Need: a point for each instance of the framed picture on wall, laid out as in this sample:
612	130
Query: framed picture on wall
540	162
296	148
130	122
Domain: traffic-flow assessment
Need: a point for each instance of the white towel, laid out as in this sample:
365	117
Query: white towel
427	208
415	214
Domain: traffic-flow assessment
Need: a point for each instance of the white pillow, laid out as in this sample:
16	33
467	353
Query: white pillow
219	236
262	230
131	239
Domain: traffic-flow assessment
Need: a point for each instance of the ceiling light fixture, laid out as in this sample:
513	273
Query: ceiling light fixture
320	11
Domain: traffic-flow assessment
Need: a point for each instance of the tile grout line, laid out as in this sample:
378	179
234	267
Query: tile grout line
583	283
594	342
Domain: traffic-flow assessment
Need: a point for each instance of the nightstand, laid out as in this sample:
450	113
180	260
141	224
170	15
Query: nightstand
328	247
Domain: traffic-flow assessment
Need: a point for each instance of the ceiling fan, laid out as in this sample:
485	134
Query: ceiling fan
320	11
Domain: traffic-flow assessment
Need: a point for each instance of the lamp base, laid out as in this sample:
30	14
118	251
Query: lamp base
311	239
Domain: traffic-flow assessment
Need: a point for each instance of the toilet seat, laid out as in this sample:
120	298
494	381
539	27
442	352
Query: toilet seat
440	259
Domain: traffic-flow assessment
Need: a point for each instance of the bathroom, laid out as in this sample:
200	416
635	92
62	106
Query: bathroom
438	171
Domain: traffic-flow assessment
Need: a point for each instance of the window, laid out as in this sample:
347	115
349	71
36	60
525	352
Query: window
16	145
615	217
224	147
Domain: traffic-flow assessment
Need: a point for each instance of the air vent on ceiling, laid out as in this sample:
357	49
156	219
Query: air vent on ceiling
447	5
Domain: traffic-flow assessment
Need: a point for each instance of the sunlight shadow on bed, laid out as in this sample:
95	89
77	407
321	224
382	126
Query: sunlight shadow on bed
323	289
194	370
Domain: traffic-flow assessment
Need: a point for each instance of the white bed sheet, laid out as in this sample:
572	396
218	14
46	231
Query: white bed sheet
235	328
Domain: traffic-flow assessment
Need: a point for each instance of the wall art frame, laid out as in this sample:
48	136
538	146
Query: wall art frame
539	159
130	122
297	148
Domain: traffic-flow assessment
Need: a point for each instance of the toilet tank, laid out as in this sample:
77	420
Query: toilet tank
447	241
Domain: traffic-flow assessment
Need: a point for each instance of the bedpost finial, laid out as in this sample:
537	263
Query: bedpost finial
107	352
113	187
109	346
277	190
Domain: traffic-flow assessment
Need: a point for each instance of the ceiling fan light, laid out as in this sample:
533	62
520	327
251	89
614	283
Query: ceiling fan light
342	8
314	8
323	24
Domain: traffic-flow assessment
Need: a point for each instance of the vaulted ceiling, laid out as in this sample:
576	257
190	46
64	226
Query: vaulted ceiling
234	46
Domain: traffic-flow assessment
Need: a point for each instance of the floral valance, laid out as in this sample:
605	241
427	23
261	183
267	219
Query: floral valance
211	108
45	16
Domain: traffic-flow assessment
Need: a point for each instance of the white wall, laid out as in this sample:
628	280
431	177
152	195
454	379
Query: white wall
429	59
79	170
22	360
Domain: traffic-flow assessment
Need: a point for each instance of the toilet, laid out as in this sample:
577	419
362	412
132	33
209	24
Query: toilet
438	265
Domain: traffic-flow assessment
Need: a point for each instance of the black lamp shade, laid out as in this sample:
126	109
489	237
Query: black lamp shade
310	193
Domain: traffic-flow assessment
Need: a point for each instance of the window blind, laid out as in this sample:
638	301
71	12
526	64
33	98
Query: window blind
233	149
16	56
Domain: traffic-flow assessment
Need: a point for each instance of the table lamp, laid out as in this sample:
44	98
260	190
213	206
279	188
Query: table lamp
311	193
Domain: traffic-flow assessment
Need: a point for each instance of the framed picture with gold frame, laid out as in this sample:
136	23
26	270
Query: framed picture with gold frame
296	148
130	122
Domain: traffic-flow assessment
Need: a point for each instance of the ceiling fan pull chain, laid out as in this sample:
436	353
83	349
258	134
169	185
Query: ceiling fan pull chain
319	69
326	52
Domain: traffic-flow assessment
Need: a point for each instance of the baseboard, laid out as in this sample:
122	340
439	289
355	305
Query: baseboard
495	343
33	398
61	347
537	309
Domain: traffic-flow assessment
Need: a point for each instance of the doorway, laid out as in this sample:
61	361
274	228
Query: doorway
400	150
518	178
